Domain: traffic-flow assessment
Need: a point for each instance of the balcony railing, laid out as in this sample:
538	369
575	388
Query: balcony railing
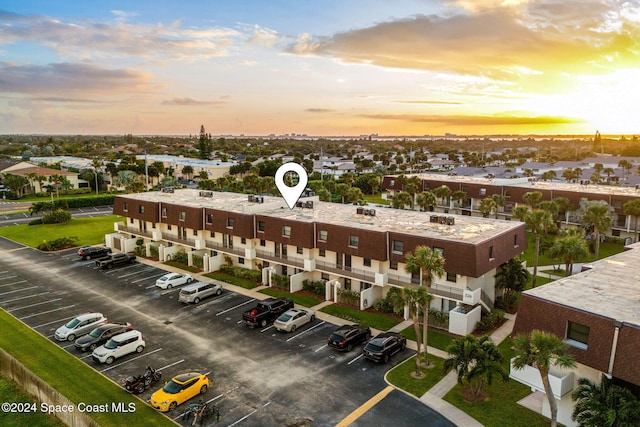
561	381
270	256
347	271
177	239
134	230
224	248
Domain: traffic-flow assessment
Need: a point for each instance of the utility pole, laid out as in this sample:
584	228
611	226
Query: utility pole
146	171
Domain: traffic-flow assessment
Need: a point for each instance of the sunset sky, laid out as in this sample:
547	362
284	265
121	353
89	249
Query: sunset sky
331	67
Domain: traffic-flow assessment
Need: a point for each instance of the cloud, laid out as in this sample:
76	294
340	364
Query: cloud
319	110
190	101
84	38
475	120
64	78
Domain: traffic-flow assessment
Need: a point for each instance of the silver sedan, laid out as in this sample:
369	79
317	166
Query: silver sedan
170	280
292	319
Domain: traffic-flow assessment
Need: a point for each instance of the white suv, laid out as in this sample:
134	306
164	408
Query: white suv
80	325
118	346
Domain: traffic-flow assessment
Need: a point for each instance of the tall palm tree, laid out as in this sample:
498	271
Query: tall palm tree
487	205
532	198
512	277
500	202
429	263
542	350
569	248
539	222
413	299
442	192
426	199
604	404
56	180
632	207
564	205
597	215
400	200
458	197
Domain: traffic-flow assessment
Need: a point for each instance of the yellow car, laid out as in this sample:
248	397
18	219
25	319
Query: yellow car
177	391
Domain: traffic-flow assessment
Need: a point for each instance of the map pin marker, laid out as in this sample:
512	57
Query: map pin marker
291	194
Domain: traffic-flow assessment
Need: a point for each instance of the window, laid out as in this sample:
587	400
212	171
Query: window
263	242
169	227
209	218
230	222
322	235
324	276
437	249
398	247
183	215
164	212
141	209
240	260
243	240
322	253
452	277
577	335
212	234
491	254
125	207
261	226
130	220
286	231
393	265
465	189
153	225
367	262
353	241
515	240
299	250
617	204
195	232
483	191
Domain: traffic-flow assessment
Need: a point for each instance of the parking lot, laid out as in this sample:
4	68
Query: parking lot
258	376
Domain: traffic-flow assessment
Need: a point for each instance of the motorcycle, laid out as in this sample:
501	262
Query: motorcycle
138	384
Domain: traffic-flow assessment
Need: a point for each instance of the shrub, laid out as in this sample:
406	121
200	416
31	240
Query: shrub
314	286
57	244
243	273
140	251
198	262
35	221
385	305
181	257
280	282
438	319
56	217
491	320
153	250
348	297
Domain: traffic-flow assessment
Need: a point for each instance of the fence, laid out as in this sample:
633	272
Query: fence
41	391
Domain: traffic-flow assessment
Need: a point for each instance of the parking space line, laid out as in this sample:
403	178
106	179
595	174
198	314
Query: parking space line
358	412
236	306
28	296
243	418
168	366
55	321
84	357
361	354
69	345
45	312
131	360
13	283
266	329
307	330
145	278
136	272
320	348
18	290
33	305
7	277
115	270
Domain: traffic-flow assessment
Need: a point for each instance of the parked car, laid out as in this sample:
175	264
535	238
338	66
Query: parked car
292	319
170	280
266	311
118	346
381	347
101	335
180	389
115	260
79	325
347	336
93	252
196	292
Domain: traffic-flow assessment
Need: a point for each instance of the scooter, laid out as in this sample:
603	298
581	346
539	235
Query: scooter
138	384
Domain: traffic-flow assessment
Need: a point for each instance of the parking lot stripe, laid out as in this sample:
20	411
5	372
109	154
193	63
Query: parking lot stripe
13	283
355	359
320	348
266	329
131	360
55	321
45	312
244	418
115	270
365	407
136	272
145	278
6	277
18	290
33	305
236	306
307	330
28	296
168	366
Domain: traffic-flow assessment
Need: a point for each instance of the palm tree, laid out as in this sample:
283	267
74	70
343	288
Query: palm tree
187	170
539	222
532	198
500	202
56	180
520	213
564	205
512	277
632	207
400	200
354	194
203	174
542	350
342	190
458	197
625	165
413	299
430	263
569	248
597	215
442	192
487	205
604	404
608	172
426	199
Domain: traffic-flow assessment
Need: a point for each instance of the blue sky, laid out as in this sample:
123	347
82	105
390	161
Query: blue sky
320	68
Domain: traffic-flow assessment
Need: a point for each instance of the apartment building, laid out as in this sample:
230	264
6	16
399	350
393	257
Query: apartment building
513	191
346	246
597	313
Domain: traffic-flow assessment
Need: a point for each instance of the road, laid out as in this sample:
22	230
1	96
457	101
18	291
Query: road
24	218
259	377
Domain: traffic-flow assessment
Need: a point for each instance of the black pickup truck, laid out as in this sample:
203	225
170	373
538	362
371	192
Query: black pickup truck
114	260
266	311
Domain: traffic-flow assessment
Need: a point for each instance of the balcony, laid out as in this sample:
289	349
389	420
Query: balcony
177	239
224	248
282	259
561	381
346	271
134	231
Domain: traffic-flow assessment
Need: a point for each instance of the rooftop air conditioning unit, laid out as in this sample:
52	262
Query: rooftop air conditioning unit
299	205
451	220
359	211
372	212
433	218
366	212
259	199
442	219
167	189
206	194
251	198
308	205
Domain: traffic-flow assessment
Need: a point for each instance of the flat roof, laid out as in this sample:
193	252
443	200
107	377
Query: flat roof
611	288
467	229
534	185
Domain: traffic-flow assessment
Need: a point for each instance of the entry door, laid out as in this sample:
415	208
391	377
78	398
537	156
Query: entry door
339	260
347	262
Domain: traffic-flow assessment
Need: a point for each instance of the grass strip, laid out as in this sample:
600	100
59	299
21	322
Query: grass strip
435	338
10	392
400	376
237	281
375	320
71	377
302	299
90	231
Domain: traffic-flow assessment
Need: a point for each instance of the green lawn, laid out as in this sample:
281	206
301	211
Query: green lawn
237	281
305	300
90	231
606	249
400	376
376	198
375	320
435	338
34	198
71	377
9	392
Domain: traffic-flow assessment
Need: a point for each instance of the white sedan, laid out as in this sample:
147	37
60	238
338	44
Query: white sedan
290	320
170	280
